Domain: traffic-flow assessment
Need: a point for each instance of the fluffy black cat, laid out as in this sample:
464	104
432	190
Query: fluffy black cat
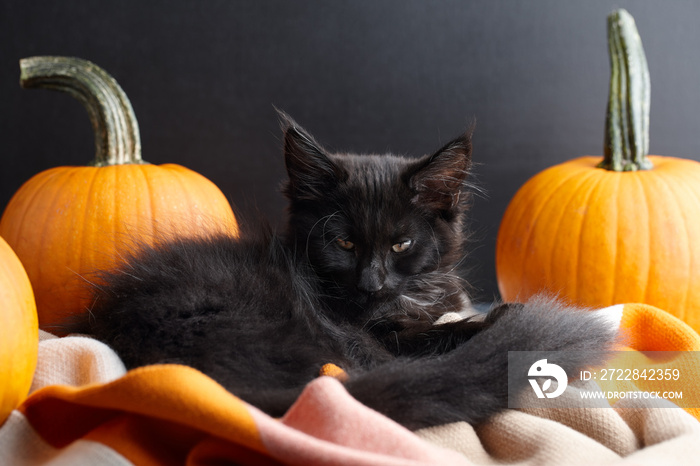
367	265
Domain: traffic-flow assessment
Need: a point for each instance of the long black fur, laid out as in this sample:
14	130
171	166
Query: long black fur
261	314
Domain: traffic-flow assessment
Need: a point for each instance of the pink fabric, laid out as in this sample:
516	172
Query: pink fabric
327	426
173	414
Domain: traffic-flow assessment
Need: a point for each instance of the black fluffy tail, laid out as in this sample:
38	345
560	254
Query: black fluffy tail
471	382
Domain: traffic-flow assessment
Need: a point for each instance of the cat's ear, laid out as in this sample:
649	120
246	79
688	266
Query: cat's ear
311	171
438	180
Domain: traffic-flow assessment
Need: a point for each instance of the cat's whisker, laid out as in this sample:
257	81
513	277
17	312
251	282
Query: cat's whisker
308	236
133	275
81	276
328	218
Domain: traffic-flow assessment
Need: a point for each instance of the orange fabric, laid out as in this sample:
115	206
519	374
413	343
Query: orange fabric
171	414
334	371
174	415
662	344
652	329
150	406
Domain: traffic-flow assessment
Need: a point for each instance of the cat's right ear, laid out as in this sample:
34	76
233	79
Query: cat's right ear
439	180
311	171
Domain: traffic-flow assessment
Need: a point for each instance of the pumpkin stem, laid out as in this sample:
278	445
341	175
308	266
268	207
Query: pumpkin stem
117	138
627	119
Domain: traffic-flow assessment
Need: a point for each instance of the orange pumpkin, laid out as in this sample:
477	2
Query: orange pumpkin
67	222
19	333
625	230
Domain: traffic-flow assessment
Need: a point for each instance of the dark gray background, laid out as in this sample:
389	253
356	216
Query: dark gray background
367	76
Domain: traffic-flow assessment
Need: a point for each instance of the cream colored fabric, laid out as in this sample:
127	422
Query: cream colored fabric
324	424
75	361
577	431
20	445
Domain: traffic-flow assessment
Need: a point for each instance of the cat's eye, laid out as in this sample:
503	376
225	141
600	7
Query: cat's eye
403	246
345	244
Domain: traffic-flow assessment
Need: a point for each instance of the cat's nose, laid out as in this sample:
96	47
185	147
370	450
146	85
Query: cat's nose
371	280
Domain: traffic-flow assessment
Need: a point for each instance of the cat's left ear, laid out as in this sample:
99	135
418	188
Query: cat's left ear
439	179
311	171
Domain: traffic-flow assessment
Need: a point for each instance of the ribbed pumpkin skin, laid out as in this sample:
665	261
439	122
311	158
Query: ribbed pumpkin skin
19	334
598	237
67	222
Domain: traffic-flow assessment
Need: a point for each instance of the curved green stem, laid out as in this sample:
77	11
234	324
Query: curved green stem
627	119
117	139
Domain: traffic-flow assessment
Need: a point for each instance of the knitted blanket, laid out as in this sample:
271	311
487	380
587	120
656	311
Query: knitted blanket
84	408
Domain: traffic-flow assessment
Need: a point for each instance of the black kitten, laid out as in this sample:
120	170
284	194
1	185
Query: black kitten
384	234
366	268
